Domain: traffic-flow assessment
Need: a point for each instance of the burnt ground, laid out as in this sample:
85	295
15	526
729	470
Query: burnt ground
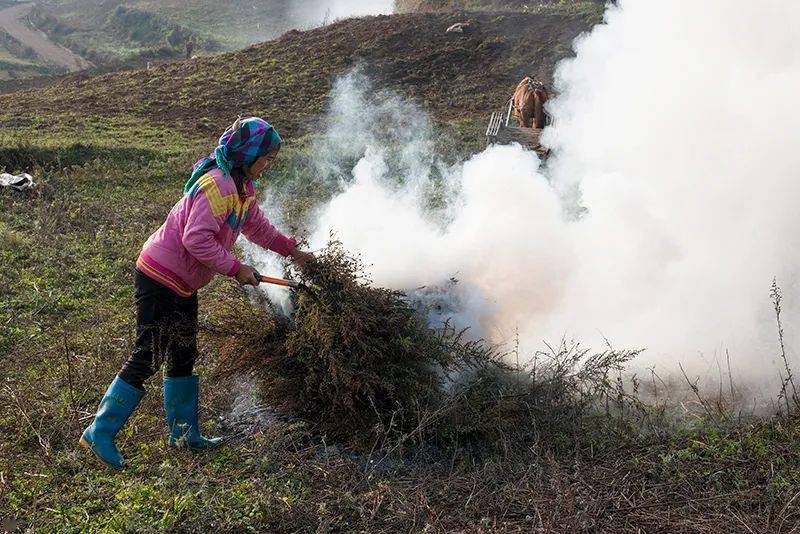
454	76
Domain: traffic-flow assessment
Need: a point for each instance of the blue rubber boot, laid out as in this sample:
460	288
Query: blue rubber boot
115	408
181	402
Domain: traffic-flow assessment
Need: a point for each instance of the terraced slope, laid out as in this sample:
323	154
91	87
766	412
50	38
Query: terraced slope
115	33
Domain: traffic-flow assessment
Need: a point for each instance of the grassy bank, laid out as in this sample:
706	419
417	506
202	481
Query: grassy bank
68	248
458	79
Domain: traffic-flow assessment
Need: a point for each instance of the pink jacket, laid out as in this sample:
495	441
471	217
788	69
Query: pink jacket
196	240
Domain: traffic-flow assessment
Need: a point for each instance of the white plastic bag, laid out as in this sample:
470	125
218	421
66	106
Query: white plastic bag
19	182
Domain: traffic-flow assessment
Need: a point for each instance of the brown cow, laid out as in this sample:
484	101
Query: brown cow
528	102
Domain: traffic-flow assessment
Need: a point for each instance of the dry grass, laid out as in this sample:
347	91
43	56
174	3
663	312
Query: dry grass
361	364
557	449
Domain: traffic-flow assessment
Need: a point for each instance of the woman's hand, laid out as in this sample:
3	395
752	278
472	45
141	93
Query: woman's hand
246	276
300	258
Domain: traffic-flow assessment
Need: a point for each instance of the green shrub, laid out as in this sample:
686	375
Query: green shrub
361	363
353	357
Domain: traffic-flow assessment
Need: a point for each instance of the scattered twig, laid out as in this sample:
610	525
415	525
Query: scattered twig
67	353
777	298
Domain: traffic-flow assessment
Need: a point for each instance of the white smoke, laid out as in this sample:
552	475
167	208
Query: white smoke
661	221
268	19
315	12
675	122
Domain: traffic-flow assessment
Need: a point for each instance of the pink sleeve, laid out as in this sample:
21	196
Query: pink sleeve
200	238
260	231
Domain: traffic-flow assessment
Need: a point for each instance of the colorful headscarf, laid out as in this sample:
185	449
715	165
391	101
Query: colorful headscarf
241	144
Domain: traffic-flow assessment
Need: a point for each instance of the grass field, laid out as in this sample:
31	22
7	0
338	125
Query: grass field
68	247
106	179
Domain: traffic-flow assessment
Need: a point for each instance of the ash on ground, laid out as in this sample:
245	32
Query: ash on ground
248	413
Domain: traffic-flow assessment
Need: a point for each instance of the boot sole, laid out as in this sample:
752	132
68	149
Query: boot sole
86	445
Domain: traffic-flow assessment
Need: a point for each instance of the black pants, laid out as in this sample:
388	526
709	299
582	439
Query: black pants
166	332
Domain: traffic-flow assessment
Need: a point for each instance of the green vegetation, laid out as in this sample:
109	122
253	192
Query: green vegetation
128	35
509	453
363	366
145	28
20	60
66	307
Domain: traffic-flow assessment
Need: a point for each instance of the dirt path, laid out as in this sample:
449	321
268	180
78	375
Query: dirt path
10	21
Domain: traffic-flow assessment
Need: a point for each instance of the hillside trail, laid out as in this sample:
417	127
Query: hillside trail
11	21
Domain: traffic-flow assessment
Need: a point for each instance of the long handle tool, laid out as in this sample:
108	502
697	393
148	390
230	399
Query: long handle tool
293	284
278	281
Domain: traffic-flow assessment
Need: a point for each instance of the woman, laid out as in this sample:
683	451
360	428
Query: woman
182	256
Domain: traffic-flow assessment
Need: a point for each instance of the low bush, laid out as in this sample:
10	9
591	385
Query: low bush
362	364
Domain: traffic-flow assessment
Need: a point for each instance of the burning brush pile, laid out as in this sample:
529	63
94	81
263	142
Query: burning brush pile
361	363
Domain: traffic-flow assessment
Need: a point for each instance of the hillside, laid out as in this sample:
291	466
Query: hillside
116	28
19	60
456	77
110	154
523	6
26	52
106	31
112	34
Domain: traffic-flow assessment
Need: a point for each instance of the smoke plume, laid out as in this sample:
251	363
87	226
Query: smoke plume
268	19
660	222
315	12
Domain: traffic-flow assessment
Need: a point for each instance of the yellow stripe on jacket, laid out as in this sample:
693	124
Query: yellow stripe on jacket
220	205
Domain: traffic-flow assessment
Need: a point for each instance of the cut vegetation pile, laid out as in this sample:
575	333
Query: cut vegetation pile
352	356
361	363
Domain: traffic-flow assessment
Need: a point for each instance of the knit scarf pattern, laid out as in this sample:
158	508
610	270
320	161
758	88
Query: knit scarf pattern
241	145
